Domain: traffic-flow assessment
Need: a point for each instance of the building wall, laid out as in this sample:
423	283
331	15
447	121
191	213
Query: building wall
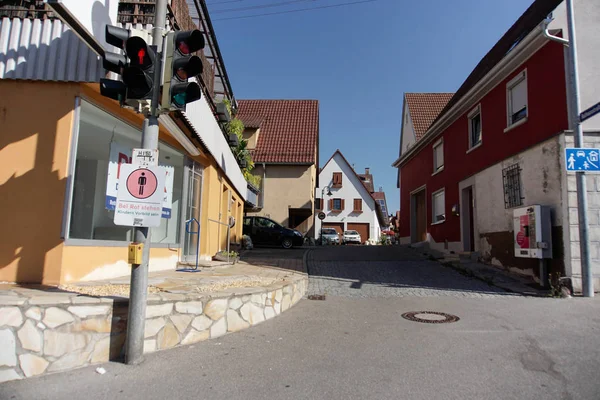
547	117
352	188
541	183
408	137
285	187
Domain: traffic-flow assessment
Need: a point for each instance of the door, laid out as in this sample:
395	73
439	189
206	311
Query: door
362	228
468	218
471	228
420	215
339	227
193	203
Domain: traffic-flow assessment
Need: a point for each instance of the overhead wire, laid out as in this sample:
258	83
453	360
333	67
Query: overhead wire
295	11
268	5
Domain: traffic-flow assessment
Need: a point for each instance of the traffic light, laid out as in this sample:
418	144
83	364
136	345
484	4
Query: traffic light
180	65
136	67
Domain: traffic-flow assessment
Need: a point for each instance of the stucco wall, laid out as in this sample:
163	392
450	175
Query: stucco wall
408	137
352	188
285	187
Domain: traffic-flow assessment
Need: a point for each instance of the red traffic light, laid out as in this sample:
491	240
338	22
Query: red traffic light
139	52
189	41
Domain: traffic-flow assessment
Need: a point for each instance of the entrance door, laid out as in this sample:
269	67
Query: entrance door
191	231
363	229
420	215
468	218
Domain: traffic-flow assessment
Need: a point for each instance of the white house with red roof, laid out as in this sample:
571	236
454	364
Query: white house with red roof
351	205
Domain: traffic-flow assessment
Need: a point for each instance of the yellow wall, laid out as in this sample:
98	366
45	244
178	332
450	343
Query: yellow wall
285	187
35	133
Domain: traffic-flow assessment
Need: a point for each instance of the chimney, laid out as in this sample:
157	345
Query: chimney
380	189
367	171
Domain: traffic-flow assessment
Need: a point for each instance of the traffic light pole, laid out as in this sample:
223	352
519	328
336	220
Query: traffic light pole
136	320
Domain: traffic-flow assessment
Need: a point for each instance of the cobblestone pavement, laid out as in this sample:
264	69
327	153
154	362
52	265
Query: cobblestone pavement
388	271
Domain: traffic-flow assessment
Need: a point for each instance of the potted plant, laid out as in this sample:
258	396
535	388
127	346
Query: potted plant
223	255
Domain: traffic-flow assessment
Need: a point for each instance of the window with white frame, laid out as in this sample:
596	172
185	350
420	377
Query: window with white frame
438	155
439	206
475	127
516	98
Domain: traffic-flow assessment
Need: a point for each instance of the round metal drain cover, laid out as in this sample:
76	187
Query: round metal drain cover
430	317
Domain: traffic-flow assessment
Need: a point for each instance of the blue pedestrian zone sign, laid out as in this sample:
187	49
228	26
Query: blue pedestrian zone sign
583	159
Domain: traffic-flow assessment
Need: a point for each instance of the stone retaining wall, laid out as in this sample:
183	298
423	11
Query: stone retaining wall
51	334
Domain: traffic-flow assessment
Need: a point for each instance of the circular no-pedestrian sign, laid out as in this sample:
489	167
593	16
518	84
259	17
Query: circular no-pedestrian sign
142	183
321	215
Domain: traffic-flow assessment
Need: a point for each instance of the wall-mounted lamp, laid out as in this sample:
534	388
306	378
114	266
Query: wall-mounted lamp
455	210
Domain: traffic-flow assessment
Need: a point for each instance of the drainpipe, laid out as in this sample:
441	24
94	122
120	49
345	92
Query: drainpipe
262	203
573	98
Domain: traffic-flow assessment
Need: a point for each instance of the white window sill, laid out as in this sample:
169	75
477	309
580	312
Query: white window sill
478	145
438	223
438	171
513	126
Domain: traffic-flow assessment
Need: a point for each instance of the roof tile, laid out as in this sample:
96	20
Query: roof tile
424	109
289	129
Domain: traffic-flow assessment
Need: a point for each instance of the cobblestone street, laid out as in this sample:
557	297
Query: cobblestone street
388	271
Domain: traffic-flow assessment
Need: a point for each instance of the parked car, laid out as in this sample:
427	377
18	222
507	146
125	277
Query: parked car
329	235
266	232
352	236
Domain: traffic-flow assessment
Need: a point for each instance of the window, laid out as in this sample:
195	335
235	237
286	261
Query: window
475	127
264	223
248	222
318	204
357	205
103	143
337	179
438	156
516	98
512	186
336	204
382	205
439	207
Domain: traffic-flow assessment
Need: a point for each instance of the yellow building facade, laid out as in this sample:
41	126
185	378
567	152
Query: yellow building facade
59	143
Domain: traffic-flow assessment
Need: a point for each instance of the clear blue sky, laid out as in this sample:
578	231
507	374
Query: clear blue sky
358	60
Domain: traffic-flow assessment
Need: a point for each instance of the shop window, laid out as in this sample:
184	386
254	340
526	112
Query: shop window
105	141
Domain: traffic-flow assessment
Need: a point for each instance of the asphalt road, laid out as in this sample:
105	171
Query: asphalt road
360	347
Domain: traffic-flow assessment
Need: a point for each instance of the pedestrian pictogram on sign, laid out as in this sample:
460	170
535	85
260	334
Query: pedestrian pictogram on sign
139	203
582	159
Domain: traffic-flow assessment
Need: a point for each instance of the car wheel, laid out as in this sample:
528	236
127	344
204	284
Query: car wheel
287	243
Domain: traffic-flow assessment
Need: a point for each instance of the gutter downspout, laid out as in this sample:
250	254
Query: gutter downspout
547	33
262	205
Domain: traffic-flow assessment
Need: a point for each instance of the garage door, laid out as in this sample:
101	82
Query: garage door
338	227
362	228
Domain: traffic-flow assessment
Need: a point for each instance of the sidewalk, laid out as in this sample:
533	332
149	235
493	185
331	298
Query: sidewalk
48	329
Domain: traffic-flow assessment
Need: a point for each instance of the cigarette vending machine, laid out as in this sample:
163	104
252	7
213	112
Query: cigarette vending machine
533	232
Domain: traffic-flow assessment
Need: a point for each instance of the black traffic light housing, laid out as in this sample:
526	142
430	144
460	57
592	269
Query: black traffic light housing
180	65
136	67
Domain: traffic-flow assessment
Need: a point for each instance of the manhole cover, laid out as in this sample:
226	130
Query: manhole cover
316	297
430	317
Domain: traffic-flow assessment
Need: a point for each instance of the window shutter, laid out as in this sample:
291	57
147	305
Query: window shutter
330	204
518	96
318	204
359	204
343	201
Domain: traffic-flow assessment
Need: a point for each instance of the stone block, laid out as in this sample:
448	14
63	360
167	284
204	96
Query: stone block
9	375
50	299
70	361
277	308
202	323
574	233
194	336
34	313
572	198
149	346
287	289
159	310
571	183
85	300
573	216
575	250
594	233
235	303
235	322
11	316
86	311
252	313
168	337
219	328
11	300
270	299
30	337
181	322
55	317
593	200
41	326
172	296
278	295
297	296
189	307
259	299
286	303
153	326
8	348
269	312
101	351
98	325
215	309
32	365
57	343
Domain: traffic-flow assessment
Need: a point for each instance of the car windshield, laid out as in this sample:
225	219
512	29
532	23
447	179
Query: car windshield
265	223
329	231
350	233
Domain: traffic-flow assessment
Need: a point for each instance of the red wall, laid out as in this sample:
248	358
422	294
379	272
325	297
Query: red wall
547	109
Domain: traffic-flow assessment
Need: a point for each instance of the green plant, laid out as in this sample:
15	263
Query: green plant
232	254
557	286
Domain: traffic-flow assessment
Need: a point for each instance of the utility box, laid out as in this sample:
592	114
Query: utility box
135	253
532	232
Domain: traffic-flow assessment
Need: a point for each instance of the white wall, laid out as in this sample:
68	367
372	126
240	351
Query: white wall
352	188
407	134
587	17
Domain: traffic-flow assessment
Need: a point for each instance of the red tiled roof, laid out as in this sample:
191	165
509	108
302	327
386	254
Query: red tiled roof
424	109
378	195
289	129
367	180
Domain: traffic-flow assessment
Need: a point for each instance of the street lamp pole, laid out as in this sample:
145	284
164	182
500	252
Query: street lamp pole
323	207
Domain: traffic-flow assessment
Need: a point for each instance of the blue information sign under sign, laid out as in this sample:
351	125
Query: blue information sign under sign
582	159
